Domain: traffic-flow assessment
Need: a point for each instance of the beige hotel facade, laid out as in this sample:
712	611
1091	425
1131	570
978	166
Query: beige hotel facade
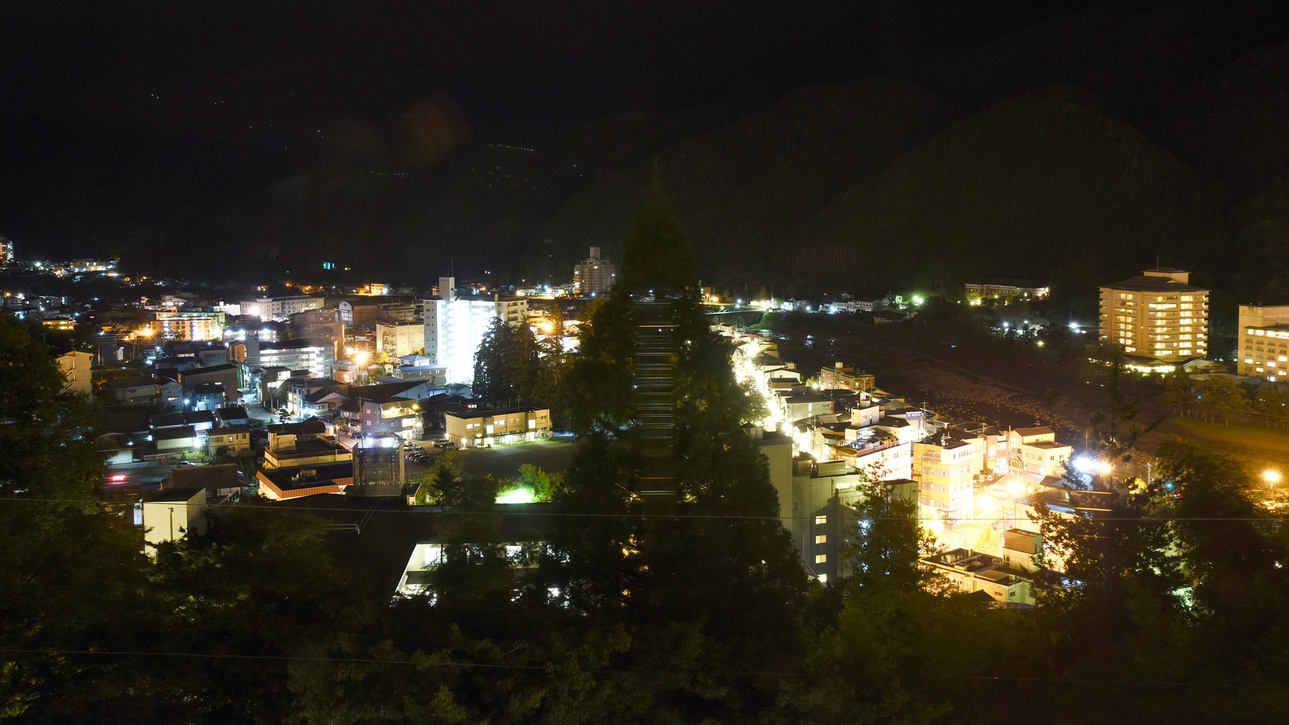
1157	315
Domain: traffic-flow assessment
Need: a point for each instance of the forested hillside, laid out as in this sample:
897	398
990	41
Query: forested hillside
1041	185
742	188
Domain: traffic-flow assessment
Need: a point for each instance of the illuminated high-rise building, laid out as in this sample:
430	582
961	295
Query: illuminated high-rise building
1263	342
1157	315
593	275
455	326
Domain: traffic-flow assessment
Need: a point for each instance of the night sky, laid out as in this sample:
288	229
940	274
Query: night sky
120	121
223	70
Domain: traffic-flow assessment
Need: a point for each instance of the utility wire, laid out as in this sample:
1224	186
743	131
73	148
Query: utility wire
501	511
546	668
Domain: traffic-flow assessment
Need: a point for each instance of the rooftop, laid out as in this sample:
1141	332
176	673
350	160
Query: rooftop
1143	283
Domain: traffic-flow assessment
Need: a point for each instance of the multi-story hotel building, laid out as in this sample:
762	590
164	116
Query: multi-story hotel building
455	326
593	275
1263	345
1157	315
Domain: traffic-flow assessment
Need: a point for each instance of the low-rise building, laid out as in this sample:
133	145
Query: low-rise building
134	391
1035	450
229	441
842	376
475	428
306	452
283	484
76	371
971	572
1006	290
171	515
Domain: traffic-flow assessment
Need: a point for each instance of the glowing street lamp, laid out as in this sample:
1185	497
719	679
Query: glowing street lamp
1272	477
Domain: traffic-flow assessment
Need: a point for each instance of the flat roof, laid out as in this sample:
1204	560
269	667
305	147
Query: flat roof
1143	283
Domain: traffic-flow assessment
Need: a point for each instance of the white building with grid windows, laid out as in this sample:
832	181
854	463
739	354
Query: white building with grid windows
455	326
1263	345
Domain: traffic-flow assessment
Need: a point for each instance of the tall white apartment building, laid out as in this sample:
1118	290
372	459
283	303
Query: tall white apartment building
593	275
1263	345
455	326
1157	315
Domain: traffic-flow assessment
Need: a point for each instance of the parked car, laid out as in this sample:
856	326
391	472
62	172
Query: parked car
445	445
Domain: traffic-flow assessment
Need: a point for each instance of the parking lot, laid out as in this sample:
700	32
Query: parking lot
549	454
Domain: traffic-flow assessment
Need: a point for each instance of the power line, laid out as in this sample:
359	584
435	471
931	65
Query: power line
546	668
421	511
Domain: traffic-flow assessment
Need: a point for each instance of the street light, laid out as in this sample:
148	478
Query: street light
1272	477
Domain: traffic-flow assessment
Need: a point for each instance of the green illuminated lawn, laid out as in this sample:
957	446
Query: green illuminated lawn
1252	439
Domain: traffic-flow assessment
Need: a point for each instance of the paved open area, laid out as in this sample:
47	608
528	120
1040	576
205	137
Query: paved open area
552	455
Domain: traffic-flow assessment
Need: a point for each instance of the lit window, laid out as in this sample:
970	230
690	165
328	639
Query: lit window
821	539
821	558
821	520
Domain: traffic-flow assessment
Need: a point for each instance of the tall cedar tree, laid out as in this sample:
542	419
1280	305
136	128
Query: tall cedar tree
714	590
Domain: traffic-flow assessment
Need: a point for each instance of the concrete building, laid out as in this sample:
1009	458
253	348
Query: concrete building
229	441
1035	450
279	309
815	508
972	571
76	371
1006	290
1263	342
400	338
369	313
183	325
946	470
841	376
1156	316
390	415
593	275
316	357
476	428
172	514
455	326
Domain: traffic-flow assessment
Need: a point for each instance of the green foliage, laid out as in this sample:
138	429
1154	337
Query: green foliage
511	367
46	433
543	485
493	373
656	253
